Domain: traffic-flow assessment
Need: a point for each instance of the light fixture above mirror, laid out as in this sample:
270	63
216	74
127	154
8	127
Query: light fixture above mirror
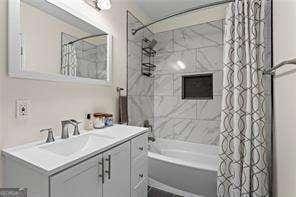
103	4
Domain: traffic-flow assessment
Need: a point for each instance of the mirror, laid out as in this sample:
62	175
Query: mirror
56	45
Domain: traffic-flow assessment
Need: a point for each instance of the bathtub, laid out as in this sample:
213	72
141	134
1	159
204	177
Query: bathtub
187	167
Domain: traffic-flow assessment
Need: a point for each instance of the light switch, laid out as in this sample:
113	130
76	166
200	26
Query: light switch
23	108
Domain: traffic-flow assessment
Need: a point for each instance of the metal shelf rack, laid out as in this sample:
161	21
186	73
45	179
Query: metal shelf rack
147	59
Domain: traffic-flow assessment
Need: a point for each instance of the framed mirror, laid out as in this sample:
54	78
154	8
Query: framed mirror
46	42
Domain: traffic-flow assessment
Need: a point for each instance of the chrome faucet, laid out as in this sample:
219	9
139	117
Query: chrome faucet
65	130
152	136
50	137
75	123
151	139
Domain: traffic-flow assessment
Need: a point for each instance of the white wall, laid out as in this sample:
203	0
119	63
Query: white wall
42	39
54	101
285	98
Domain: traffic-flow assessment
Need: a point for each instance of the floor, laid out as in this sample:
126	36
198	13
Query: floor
153	192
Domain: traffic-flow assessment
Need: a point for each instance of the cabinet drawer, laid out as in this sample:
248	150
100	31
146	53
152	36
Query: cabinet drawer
139	170
139	145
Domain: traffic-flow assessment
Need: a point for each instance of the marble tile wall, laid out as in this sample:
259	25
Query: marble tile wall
190	50
140	88
186	51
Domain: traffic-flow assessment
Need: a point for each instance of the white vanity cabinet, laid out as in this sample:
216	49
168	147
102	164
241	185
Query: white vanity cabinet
80	180
120	171
107	174
117	171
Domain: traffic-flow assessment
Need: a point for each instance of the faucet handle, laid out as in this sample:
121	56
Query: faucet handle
50	137
64	122
75	121
49	130
76	128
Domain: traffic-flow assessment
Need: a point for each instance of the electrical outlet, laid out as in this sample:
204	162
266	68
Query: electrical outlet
23	108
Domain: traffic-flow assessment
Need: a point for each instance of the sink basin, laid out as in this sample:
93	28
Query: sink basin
76	144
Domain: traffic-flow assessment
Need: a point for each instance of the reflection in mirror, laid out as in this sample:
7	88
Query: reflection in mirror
84	57
56	42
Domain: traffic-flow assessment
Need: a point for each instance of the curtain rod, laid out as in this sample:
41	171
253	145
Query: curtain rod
134	31
86	37
270	71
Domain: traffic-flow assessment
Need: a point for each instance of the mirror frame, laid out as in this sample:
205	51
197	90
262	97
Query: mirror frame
15	69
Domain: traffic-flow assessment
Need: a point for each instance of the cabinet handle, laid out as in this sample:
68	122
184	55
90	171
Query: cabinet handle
109	166
103	170
141	148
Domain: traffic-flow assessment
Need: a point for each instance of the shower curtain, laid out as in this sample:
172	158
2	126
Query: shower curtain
69	60
242	163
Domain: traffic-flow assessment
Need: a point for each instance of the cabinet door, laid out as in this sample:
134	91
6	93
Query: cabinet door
117	171
80	180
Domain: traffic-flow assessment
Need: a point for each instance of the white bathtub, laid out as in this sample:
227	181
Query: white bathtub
187	167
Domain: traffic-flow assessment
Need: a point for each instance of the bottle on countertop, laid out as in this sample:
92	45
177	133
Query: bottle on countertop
108	120
88	125
99	120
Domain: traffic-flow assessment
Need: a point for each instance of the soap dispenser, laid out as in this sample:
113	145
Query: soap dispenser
88	125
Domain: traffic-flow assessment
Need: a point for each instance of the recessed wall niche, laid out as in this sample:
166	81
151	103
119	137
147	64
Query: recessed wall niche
197	87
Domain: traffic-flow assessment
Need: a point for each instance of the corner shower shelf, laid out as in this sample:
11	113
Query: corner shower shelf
148	66
149	52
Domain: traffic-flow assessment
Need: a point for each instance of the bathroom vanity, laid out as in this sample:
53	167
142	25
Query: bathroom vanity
110	162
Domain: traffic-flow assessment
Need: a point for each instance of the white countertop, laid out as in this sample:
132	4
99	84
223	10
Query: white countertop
49	163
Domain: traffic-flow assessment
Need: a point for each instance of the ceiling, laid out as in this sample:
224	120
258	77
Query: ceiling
159	8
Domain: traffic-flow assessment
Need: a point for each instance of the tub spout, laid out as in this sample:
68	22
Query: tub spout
151	136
